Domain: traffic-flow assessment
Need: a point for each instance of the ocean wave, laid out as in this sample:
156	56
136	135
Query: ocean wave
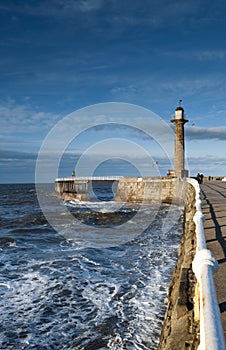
61	294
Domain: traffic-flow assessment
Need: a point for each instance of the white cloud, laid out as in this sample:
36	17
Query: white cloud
85	5
53	8
208	165
191	86
23	118
210	55
197	133
200	55
120	14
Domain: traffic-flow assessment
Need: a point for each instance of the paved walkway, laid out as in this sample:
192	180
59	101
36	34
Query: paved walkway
214	209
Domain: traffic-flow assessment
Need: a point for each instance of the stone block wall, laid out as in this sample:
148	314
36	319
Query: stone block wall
151	190
70	189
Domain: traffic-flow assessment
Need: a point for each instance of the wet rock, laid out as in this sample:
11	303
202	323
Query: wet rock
7	241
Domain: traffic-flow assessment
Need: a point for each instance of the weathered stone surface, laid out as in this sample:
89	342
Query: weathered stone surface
71	189
152	190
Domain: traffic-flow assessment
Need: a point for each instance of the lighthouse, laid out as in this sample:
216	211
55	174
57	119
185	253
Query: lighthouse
178	120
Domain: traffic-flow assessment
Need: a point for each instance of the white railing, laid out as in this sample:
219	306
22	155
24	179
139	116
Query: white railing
91	178
204	265
100	178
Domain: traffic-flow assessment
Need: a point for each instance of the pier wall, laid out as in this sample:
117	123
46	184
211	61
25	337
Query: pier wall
152	190
70	189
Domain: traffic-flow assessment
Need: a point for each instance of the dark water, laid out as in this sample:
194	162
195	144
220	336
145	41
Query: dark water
58	294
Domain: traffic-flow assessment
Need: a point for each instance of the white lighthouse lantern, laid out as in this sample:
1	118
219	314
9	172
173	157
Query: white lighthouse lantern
179	113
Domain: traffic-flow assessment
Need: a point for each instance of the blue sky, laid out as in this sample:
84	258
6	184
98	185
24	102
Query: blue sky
58	56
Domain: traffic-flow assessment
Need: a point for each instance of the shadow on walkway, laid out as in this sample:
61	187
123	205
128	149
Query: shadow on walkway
218	231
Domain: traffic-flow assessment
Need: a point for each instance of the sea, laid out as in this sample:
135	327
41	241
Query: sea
59	292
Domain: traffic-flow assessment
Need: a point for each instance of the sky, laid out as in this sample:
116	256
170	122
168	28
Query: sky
58	57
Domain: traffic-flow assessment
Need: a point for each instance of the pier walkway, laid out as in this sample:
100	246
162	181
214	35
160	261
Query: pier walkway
214	209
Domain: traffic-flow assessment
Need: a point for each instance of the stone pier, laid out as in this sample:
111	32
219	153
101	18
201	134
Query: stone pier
70	189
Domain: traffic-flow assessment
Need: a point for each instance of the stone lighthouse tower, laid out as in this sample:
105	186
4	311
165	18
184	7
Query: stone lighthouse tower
179	122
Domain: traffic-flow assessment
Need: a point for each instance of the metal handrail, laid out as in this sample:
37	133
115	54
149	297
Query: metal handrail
91	178
204	265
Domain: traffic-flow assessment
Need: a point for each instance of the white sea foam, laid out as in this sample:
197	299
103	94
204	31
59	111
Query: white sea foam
66	295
